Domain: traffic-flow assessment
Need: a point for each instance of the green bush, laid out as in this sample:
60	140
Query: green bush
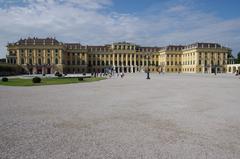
4	79
58	74
80	78
36	80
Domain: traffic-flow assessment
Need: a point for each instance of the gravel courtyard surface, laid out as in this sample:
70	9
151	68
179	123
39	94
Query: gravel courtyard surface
170	116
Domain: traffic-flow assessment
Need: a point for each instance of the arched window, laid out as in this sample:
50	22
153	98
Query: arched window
30	61
56	61
39	61
48	61
22	61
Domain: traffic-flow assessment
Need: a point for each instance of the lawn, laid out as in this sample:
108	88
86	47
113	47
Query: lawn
48	81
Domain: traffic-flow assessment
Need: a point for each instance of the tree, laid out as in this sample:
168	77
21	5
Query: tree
238	57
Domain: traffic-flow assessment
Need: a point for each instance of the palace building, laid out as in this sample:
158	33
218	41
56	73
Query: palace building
48	55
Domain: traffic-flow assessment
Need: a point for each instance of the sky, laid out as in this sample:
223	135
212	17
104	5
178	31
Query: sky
143	22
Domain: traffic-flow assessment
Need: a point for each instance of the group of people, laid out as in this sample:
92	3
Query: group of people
110	75
118	74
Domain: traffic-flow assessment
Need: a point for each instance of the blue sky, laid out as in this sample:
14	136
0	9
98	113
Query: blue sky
145	22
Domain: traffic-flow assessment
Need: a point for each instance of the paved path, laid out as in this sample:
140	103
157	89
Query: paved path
170	116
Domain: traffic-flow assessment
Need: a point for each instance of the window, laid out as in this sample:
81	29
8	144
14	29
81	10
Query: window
89	63
39	61
22	61
48	61
56	61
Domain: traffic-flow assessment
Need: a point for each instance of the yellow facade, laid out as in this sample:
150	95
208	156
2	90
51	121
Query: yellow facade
48	56
195	58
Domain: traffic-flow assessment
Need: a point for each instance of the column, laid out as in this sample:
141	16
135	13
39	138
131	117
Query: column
131	60
18	56
126	64
118	60
35	57
135	61
122	63
109	59
85	59
104	59
25	57
113	59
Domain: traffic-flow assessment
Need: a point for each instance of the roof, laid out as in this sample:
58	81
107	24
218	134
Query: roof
37	41
174	47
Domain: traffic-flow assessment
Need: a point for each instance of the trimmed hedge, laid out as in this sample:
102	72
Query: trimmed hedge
4	79
36	80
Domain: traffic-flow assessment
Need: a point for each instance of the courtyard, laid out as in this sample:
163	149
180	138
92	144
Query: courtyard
183	116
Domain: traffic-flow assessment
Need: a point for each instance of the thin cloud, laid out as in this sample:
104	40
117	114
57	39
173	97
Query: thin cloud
90	22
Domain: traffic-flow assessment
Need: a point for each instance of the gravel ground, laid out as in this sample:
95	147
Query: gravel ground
170	116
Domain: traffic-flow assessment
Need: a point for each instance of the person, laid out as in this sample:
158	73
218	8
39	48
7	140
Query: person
237	73
122	75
